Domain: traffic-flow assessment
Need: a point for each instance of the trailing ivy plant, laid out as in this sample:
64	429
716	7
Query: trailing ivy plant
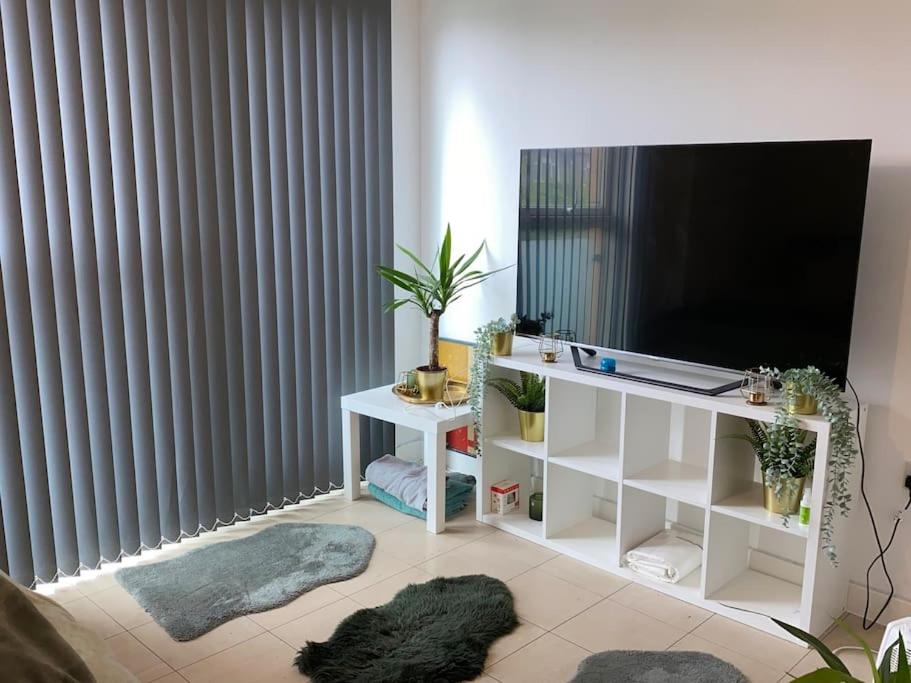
480	359
842	440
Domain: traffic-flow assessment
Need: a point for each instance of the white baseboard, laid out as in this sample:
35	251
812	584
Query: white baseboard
897	609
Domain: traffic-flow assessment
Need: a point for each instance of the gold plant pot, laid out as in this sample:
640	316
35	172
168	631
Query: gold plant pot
502	344
431	383
788	502
531	426
800	404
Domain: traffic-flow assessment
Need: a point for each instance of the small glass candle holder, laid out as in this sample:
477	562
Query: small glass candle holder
756	387
550	348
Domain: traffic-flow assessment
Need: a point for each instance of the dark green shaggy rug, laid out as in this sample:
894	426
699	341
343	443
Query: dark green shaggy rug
436	631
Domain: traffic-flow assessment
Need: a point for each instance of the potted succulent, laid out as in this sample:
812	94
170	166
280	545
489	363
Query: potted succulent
785	458
821	394
432	288
528	397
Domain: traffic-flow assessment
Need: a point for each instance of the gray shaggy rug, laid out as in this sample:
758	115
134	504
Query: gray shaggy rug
639	666
436	631
192	594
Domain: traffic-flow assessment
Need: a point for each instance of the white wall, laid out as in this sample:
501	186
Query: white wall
499	76
406	162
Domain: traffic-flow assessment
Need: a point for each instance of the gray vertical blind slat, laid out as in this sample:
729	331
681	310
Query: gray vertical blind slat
262	219
202	475
213	306
16	528
100	169
193	196
300	306
85	267
342	155
327	162
246	250
64	282
360	269
17	42
224	183
149	222
372	186
172	255
314	230
275	39
130	257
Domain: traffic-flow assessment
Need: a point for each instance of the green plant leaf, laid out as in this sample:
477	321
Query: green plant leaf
826	676
904	673
871	659
827	655
445	254
418	262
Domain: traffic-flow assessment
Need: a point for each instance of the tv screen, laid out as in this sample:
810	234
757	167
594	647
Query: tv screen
728	255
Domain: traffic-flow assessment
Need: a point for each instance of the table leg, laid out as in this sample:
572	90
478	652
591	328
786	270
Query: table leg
435	460
351	453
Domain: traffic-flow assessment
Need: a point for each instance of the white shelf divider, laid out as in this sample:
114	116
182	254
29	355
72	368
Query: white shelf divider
757	592
590	458
514	443
675	480
518	523
593	540
747	505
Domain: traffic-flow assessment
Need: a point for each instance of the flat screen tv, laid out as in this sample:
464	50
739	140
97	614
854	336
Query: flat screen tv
728	255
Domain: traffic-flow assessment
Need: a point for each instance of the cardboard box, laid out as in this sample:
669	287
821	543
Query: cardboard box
504	496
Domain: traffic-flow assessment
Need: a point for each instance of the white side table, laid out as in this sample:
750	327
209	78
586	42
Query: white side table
382	404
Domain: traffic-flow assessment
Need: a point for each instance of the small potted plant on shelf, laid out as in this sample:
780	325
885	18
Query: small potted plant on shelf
485	340
807	391
503	332
432	288
785	458
528	397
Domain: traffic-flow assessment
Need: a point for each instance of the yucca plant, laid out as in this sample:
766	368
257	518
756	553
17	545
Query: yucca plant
528	395
432	288
892	668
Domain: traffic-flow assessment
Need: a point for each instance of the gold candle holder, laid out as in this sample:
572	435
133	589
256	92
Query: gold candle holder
550	348
756	387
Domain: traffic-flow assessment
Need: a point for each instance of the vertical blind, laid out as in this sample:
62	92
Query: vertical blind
193	194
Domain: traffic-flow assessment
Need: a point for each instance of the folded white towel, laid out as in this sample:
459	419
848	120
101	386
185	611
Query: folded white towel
668	556
400	478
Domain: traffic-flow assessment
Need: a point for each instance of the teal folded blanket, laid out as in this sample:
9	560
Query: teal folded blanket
458	491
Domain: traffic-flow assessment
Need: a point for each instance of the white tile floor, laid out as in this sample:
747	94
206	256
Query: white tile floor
567	609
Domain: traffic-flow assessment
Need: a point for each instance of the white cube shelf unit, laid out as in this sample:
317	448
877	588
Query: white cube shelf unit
621	461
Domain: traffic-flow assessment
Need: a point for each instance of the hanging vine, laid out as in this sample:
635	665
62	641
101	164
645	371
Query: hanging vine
842	441
477	376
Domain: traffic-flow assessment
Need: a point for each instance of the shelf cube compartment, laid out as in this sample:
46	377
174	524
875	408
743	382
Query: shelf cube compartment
581	515
666	449
737	488
584	428
751	567
643	515
501	420
501	464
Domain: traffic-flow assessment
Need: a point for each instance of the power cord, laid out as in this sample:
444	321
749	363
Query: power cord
881	557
